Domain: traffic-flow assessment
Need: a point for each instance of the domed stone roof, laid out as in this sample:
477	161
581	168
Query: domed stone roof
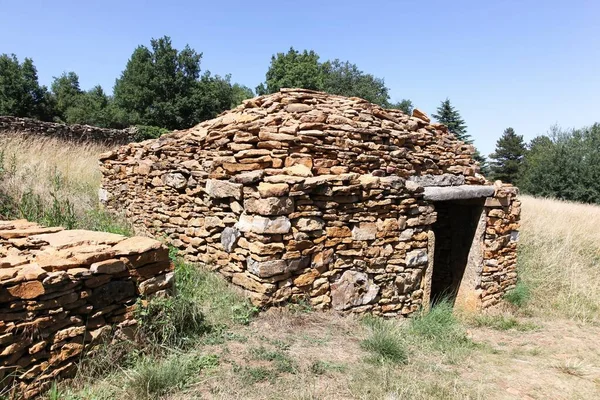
346	134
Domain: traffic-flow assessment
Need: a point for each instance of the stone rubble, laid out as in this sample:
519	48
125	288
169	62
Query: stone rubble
62	292
305	196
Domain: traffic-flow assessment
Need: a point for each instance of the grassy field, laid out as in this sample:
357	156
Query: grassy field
209	343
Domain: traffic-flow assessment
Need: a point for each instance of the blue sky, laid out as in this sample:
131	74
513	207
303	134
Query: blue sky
525	64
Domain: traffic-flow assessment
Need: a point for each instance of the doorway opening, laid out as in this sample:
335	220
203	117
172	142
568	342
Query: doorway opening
457	257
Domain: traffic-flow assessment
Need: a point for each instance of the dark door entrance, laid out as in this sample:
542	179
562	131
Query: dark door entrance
454	231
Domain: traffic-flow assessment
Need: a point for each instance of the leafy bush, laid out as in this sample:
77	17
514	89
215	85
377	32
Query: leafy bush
145	132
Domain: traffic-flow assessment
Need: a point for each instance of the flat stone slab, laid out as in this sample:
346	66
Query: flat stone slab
463	192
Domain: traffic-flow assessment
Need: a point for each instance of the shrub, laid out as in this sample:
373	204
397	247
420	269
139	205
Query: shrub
145	132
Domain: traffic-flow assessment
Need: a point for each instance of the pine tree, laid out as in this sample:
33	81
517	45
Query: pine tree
449	116
508	157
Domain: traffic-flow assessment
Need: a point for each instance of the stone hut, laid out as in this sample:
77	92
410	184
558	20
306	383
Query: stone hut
306	196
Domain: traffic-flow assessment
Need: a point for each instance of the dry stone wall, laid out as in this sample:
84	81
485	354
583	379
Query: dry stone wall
62	292
29	126
298	195
499	270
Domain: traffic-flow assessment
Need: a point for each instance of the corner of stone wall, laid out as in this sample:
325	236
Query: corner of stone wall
62	292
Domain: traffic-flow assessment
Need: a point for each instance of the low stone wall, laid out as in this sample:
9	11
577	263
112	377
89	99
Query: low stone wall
63	131
61	292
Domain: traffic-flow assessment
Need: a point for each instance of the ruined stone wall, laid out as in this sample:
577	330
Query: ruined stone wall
61	292
29	126
297	195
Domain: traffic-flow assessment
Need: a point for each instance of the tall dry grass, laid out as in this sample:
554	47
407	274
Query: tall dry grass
53	182
33	164
559	257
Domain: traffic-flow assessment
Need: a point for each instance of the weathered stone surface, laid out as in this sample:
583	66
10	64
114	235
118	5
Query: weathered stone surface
265	269
108	267
308	224
229	237
262	225
57	290
416	258
273	189
136	245
365	231
421	115
175	180
463	192
352	289
438	180
270	205
223	189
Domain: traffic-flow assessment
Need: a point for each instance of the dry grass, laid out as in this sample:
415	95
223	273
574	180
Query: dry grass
559	258
43	166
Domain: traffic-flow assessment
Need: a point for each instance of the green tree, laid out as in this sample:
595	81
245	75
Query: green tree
293	70
564	165
405	106
20	92
296	69
91	108
239	94
65	92
162	86
346	79
450	116
508	157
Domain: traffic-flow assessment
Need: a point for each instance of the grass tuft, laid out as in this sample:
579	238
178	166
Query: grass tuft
384	342
152	378
519	296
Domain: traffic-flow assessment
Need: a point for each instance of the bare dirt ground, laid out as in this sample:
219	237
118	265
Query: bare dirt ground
559	360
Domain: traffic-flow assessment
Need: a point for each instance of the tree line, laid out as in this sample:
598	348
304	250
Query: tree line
563	164
162	88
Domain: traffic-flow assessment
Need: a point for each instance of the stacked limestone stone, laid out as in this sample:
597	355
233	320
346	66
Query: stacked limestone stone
298	195
63	291
499	272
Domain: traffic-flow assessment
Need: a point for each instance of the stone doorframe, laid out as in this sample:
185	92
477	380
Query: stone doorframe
468	297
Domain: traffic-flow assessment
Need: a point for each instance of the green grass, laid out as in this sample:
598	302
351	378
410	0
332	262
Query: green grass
281	361
384	342
320	367
519	296
252	375
178	320
152	378
502	322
